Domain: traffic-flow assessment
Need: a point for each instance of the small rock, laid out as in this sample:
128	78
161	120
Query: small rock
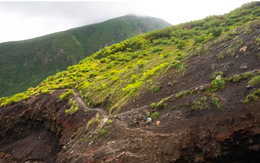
170	83
201	88
244	66
178	118
105	120
149	120
248	86
120	154
158	123
113	142
218	77
168	93
243	49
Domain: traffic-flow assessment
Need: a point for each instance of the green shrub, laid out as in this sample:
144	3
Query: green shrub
154	106
45	91
66	95
215	74
73	108
256	12
257	41
176	64
154	115
216	31
247	75
109	122
93	120
215	101
130	89
216	84
157	49
102	132
199	39
93	74
236	78
253	96
201	104
166	55
155	88
212	68
140	63
254	81
103	60
181	45
180	56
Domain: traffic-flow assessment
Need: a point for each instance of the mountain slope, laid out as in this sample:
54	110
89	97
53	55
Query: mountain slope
26	63
198	82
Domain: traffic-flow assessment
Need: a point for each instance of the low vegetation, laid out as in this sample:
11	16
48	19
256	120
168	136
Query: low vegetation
66	95
155	115
73	108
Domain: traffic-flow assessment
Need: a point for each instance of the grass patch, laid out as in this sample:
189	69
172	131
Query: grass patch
155	115
66	95
73	108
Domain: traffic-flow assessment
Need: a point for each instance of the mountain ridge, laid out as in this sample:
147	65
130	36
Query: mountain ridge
45	55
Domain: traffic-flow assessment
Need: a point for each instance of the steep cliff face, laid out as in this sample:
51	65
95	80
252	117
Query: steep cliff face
36	130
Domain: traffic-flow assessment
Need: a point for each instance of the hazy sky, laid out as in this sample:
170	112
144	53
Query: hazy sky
23	20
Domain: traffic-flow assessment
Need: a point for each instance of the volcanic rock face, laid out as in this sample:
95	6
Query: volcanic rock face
37	129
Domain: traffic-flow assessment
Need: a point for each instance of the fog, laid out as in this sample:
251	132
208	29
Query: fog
24	20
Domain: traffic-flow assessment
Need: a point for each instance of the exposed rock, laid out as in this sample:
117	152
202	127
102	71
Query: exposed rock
243	49
244	66
149	120
218	77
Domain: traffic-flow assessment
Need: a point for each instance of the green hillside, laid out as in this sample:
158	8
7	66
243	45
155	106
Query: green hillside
114	74
25	63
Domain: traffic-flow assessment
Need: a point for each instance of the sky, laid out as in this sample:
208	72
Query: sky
24	20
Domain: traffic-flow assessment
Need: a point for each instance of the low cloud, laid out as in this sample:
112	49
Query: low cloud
23	20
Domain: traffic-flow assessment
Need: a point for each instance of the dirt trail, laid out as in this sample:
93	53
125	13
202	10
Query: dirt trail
78	98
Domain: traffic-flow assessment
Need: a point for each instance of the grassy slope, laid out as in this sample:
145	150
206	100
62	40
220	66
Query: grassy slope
26	63
113	75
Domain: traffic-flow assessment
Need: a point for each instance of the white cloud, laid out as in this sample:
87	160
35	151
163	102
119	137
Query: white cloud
23	20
